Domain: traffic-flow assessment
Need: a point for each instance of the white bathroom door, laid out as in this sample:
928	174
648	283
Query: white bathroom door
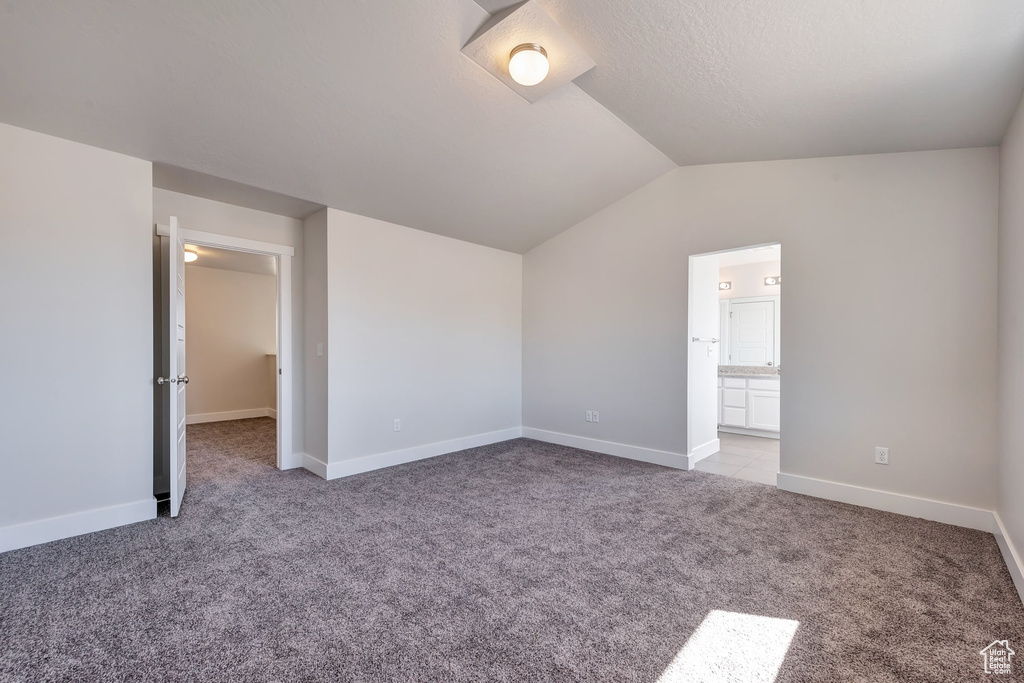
176	378
753	333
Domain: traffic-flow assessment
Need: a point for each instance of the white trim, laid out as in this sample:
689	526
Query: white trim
284	406
368	463
200	418
924	508
701	452
1010	554
314	465
621	450
75	524
294	461
764	434
213	239
271	412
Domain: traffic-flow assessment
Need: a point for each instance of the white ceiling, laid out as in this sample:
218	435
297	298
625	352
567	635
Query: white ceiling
227	259
710	81
370	107
364	106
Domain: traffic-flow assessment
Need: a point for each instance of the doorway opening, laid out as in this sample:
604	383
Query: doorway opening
229	378
734	395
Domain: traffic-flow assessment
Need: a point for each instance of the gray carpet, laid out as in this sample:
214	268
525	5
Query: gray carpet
520	561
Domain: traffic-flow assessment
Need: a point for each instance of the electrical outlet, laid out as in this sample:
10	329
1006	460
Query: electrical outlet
590	416
597	416
398	425
882	455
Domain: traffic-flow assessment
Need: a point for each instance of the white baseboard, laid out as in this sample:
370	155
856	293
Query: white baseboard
292	461
272	412
703	451
934	510
764	434
199	418
76	524
346	468
314	465
1013	559
676	460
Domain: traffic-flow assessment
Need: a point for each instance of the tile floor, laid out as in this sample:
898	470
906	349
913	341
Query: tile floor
753	458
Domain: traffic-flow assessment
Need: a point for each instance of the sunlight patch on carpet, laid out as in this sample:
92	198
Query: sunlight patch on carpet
732	647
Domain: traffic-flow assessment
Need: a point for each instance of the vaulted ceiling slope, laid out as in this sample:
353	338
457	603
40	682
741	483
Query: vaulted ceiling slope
369	106
362	105
712	81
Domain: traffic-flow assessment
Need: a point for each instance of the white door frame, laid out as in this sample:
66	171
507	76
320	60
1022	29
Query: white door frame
696	454
283	253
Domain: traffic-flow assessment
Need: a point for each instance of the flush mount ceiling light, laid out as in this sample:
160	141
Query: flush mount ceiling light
528	64
769	281
725	285
508	46
191	255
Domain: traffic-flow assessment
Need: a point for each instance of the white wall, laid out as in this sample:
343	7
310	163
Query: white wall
1011	336
196	213
904	358
231	319
315	370
748	280
422	328
76	272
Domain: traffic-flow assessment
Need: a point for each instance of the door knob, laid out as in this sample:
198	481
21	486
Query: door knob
172	380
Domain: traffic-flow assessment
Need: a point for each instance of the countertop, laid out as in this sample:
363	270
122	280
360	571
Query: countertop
748	371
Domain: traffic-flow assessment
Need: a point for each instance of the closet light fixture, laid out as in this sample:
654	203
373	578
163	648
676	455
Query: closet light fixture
191	255
725	285
770	281
528	64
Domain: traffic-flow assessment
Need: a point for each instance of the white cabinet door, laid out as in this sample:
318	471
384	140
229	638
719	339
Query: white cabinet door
763	410
752	339
734	406
719	404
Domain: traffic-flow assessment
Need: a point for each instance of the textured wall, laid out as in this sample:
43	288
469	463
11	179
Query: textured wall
1011	332
904	358
231	323
76	269
748	280
315	303
422	328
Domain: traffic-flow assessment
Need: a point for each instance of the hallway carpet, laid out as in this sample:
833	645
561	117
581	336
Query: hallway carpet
520	561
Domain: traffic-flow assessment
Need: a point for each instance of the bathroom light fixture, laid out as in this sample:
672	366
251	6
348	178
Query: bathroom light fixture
191	255
725	285
769	281
528	64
